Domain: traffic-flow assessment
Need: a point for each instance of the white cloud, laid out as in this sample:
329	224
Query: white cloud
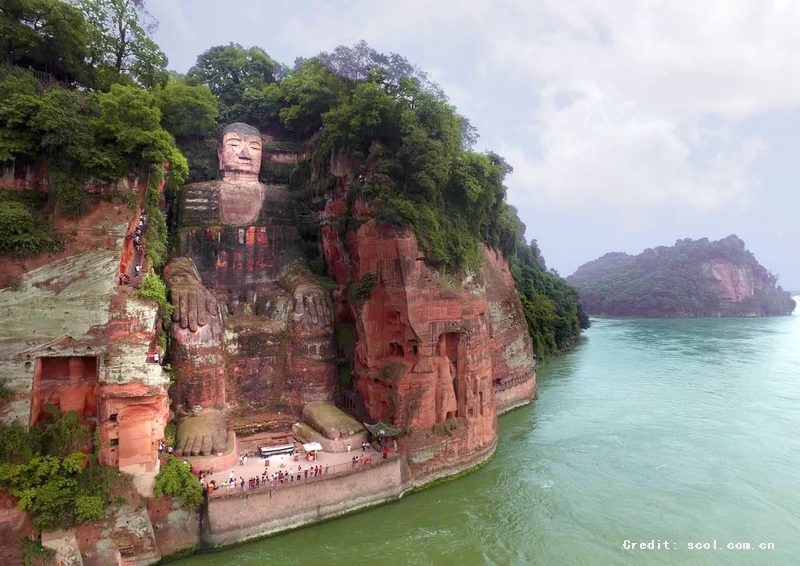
593	102
600	149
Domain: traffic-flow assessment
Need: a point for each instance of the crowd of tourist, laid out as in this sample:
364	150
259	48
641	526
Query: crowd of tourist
124	278
265	479
284	472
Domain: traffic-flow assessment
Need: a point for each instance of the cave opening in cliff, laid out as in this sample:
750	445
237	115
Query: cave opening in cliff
66	382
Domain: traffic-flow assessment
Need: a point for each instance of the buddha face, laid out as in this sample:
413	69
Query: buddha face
240	153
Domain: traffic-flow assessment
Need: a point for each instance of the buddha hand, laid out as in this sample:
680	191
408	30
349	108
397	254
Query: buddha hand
313	304
195	306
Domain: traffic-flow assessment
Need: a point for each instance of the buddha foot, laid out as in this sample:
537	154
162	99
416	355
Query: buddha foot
204	434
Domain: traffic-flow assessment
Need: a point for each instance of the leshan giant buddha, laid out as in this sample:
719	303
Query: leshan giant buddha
252	329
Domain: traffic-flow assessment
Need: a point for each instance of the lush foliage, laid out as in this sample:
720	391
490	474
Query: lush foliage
230	71
120	47
552	308
407	151
53	481
99	122
187	111
676	281
360	291
177	480
23	230
49	35
153	289
34	554
83	136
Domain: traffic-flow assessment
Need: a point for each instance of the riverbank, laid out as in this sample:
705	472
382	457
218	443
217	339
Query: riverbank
679	430
229	519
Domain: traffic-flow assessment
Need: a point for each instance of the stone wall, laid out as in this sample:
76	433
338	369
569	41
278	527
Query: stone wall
507	399
176	529
238	517
15	525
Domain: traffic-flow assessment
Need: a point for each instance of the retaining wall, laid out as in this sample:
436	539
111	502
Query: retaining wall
238	517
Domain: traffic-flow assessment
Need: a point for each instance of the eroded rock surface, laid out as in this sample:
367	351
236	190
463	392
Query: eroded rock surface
432	347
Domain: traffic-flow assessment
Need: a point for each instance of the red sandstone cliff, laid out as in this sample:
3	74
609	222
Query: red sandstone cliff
437	355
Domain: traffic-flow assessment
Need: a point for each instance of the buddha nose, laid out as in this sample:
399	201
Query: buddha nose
245	153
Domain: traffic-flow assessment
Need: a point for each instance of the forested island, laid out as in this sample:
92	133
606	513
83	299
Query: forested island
691	278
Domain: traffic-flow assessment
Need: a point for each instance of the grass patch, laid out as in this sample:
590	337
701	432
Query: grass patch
448	427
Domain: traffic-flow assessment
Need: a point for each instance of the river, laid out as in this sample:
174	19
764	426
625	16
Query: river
684	431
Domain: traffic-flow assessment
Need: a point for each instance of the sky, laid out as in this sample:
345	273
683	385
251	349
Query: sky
629	125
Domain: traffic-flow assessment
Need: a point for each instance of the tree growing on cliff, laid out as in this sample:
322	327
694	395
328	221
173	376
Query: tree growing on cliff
50	36
177	480
187	111
56	484
129	126
231	70
121	49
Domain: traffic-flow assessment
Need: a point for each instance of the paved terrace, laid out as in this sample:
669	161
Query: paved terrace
332	464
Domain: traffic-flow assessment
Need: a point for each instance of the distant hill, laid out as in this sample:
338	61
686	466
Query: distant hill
691	278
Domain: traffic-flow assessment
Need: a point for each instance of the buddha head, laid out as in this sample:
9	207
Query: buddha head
239	151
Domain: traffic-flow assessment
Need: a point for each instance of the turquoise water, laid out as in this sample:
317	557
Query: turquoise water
674	430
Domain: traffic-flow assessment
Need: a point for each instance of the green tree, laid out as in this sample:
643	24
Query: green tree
187	111
130	124
121	45
229	71
177	480
23	232
46	487
48	35
19	102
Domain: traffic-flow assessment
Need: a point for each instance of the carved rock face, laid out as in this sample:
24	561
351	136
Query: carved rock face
240	153
430	352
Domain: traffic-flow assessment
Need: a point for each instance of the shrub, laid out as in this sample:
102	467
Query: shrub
360	292
177	480
448	427
56	486
169	433
153	289
6	393
89	508
21	232
34	554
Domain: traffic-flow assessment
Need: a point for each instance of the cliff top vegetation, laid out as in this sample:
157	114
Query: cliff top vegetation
86	90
